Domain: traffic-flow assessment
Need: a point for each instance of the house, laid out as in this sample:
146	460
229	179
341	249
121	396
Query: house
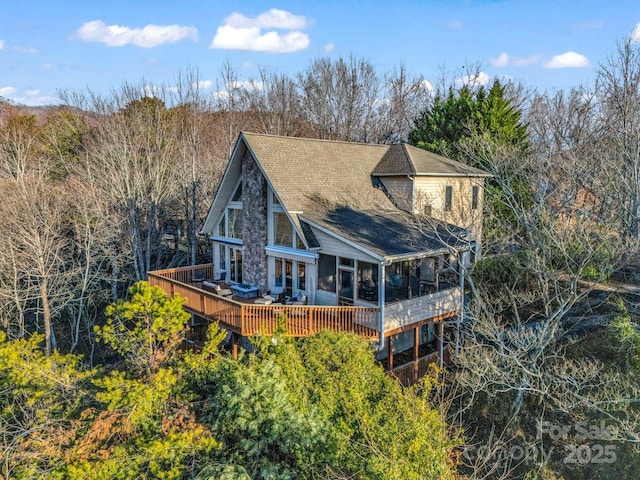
371	238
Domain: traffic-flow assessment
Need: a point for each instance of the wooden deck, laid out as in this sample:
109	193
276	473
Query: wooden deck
248	319
411	372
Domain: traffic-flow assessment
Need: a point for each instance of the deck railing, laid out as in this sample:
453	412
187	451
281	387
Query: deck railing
411	372
252	319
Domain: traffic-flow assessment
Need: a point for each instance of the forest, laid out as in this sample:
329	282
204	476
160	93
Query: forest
103	188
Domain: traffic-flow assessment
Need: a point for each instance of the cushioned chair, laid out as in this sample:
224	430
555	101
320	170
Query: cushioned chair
300	300
198	276
265	300
224	292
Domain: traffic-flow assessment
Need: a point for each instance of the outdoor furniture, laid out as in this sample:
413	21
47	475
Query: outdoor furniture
266	300
209	287
198	276
223	292
244	291
300	300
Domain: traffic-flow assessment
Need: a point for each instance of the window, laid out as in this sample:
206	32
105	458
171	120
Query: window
397	282
236	264
235	222
367	281
282	230
448	198
237	197
221	226
223	258
346	262
475	190
279	270
299	243
327	273
301	276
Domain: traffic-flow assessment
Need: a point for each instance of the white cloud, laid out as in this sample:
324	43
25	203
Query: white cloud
203	84
475	80
501	60
243	33
426	86
274	18
635	35
454	25
31	93
504	59
20	49
37	101
47	66
588	25
247	85
7	91
151	90
1	44
146	37
568	60
329	47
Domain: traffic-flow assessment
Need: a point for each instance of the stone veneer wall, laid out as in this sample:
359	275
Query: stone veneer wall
254	221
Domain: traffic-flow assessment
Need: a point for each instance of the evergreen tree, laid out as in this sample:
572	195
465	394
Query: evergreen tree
449	124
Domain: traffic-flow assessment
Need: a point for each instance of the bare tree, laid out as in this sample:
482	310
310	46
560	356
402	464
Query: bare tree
131	161
618	93
200	168
339	98
34	211
275	101
403	98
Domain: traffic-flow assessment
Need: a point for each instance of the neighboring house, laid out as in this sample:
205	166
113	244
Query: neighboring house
383	227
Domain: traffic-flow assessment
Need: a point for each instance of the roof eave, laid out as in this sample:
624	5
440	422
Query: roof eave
430	174
208	225
333	234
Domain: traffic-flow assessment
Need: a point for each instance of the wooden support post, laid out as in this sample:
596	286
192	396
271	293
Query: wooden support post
416	353
441	343
390	353
235	343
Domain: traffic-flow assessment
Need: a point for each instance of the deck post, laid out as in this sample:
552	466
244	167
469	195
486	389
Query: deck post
390	353
235	343
416	352
441	341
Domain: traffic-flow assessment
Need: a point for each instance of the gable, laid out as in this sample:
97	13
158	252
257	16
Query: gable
332	184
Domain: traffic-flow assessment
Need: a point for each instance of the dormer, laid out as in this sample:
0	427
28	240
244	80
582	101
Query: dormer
424	183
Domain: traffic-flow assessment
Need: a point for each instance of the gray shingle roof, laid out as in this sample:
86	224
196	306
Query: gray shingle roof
330	184
388	233
409	160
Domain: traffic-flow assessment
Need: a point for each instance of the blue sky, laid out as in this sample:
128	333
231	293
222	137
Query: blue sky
48	45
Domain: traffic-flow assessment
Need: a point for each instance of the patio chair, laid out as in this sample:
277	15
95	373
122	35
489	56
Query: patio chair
198	276
264	300
300	300
224	292
220	276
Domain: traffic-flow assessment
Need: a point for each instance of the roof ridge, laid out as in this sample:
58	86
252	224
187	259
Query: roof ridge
408	158
323	140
